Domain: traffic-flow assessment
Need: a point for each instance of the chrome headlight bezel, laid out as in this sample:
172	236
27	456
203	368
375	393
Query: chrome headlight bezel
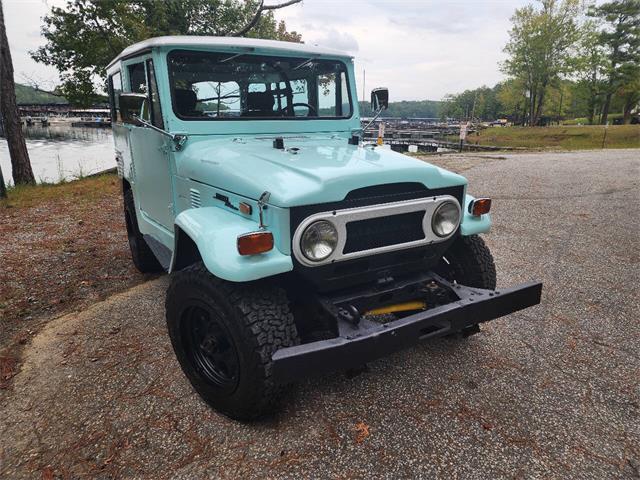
446	219
320	235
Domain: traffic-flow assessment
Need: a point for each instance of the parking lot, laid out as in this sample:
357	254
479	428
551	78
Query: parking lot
549	392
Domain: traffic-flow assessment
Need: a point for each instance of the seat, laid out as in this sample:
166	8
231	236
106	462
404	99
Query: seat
186	102
260	104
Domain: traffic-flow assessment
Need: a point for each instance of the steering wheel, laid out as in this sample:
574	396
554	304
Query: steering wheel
311	108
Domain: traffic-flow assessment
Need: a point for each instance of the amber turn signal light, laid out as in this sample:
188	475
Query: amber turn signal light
255	243
245	208
480	206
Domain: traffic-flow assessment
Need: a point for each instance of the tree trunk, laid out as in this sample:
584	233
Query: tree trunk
612	76
628	106
592	108
539	103
532	108
20	164
3	188
605	109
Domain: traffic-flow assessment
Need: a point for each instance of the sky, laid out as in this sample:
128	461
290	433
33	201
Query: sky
419	49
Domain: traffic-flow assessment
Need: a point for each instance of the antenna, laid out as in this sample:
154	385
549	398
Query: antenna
364	79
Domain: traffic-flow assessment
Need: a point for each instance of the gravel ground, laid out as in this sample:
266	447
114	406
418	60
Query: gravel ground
550	392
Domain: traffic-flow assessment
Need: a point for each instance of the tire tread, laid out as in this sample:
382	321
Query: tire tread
267	324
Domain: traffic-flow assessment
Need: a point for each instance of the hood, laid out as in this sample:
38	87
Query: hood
309	170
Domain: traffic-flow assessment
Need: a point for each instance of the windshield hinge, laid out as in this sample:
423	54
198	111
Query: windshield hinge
179	140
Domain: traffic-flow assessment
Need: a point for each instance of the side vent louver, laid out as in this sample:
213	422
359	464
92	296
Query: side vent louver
196	202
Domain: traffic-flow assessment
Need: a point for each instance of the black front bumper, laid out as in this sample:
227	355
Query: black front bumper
360	342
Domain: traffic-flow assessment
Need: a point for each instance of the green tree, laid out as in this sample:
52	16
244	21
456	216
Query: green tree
85	35
541	49
629	91
620	36
592	63
511	94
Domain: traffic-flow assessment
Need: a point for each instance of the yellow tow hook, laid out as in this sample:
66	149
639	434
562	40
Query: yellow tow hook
398	307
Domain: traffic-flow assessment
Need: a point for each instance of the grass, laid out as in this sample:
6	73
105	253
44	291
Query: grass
86	190
559	137
585	120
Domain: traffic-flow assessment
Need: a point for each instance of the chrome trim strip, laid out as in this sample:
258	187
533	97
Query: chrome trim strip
340	218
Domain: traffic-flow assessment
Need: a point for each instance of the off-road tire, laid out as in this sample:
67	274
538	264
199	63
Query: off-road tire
469	262
143	258
258	322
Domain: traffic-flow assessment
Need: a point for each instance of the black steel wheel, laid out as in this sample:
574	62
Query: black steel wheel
224	336
210	347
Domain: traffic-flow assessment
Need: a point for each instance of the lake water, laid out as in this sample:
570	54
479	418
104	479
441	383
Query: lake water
62	152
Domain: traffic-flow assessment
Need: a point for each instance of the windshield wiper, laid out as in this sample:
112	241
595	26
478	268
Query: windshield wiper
306	62
231	57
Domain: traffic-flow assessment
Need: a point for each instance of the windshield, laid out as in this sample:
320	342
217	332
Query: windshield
213	86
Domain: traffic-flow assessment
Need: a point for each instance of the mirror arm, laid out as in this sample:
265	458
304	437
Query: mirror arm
178	140
375	117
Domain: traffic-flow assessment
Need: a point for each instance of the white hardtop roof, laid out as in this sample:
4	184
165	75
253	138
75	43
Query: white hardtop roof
204	41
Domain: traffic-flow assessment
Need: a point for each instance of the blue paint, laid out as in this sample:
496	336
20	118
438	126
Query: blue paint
216	231
473	225
235	159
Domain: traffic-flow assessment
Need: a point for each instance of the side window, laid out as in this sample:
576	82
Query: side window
156	112
115	88
137	78
138	84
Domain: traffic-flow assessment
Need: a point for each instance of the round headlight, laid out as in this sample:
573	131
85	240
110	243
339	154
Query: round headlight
445	219
319	240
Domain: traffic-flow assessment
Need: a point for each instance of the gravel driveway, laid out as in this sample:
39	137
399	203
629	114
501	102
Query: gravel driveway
550	392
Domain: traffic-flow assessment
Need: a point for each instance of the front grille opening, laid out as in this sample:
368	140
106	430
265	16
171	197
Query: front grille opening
384	231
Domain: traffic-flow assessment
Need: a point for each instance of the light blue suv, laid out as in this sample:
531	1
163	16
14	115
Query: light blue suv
292	247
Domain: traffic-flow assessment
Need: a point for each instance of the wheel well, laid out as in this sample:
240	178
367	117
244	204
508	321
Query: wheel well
126	186
186	251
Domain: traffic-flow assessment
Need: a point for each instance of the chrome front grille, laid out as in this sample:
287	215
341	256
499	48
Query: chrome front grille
375	229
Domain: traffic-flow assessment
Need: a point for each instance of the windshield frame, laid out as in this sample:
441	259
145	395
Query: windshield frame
294	55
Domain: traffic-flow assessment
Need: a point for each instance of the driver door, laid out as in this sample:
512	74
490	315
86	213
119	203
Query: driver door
150	151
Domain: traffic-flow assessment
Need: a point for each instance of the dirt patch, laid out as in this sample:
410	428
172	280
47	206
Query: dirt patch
63	247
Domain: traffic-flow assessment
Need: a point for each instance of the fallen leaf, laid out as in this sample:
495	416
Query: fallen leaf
362	432
47	473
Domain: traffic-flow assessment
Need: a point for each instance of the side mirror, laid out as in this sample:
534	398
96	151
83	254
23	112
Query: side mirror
131	106
379	99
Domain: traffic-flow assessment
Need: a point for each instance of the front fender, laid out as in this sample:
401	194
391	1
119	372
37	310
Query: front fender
215	232
471	225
